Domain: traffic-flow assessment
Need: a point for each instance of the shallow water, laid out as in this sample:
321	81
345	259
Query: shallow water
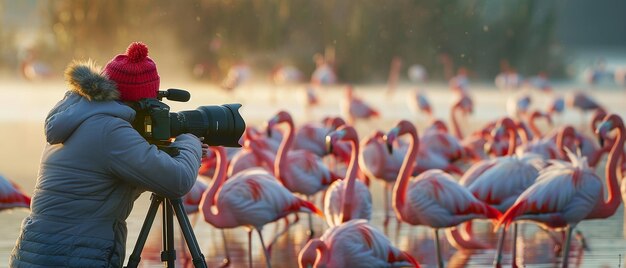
21	140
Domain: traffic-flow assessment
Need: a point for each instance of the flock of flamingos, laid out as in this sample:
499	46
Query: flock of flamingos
516	173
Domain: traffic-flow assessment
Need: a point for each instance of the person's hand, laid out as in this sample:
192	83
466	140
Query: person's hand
205	148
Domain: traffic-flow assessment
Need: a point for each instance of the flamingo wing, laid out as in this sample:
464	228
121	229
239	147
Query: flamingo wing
357	244
254	197
436	200
11	196
501	184
562	194
333	199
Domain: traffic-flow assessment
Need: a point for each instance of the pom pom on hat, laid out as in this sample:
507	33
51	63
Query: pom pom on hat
137	52
134	73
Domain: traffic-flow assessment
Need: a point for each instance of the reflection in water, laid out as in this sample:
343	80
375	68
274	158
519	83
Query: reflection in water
534	246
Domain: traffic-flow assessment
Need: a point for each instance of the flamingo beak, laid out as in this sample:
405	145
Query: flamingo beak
268	129
329	144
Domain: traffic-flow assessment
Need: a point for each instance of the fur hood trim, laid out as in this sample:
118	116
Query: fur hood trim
85	78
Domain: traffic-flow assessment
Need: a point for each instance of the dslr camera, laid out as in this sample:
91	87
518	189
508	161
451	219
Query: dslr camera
218	124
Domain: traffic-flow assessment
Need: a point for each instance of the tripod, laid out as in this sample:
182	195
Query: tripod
170	206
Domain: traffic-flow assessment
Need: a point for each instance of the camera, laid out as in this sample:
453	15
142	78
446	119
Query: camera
218	124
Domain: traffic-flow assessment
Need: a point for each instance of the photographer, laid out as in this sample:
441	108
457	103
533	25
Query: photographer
95	165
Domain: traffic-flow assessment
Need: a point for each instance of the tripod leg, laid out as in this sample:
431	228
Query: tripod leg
192	243
168	254
135	257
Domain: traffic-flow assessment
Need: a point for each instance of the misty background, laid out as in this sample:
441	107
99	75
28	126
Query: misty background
201	39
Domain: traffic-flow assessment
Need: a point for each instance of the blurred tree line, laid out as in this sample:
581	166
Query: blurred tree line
212	35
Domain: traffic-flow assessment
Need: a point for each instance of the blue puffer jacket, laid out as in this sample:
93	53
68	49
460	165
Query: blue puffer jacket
93	168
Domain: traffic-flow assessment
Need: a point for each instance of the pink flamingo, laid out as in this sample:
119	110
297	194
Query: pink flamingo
348	198
300	171
191	200
246	157
11	196
499	181
353	244
237	75
518	106
354	108
312	136
376	162
583	102
545	147
557	105
324	74
251	198
567	193
420	103
433	198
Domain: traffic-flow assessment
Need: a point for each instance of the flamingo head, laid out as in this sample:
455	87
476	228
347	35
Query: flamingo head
280	117
439	125
401	128
308	256
609	123
335	122
343	133
466	104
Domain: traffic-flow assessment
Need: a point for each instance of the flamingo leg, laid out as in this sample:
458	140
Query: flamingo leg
514	247
250	248
279	234
498	261
565	261
438	248
265	251
386	202
226	260
310	219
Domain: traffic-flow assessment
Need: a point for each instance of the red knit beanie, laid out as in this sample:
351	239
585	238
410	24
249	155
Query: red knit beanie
134	73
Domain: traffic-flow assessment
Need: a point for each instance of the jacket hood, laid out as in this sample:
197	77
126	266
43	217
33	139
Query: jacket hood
90	93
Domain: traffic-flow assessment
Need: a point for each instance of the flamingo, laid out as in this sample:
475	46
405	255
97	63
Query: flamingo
353	244
324	73
251	198
557	105
348	198
420	103
312	137
545	147
237	75
567	193
499	181
433	198
376	162
11	196
517	106
354	108
583	102
300	171
460	82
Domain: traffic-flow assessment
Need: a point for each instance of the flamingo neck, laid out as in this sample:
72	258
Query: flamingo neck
512	142
607	207
455	121
348	191
402	182
315	254
209	197
281	156
533	126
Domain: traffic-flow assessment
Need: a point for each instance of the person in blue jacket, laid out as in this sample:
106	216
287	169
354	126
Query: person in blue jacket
95	165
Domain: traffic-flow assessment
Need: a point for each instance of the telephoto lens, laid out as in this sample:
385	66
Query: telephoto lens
220	125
